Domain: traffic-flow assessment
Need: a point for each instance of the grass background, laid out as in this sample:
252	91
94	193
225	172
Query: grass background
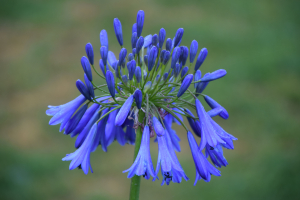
257	42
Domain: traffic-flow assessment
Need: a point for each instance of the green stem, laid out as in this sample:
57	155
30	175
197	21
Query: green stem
135	181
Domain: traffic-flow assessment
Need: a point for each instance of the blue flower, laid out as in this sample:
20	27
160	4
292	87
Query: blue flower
86	67
123	113
81	157
185	84
193	50
104	38
89	52
213	104
143	163
110	80
104	54
73	122
201	58
140	22
216	155
118	31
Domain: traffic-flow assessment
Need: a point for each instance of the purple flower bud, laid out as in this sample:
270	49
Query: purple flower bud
215	75
139	44
134	28
131	68
134	51
154	40
185	84
162	54
147	41
169	44
214	112
89	86
111	58
146	60
138	74
83	90
103	38
110	80
213	104
104	54
193	50
140	22
118	31
159	129
165	76
178	36
184	71
197	78
167	56
101	65
130	57
201	58
86	67
148	86
162	36
138	96
202	85
152	58
175	56
124	111
125	79
177	69
134	39
89	52
184	54
122	56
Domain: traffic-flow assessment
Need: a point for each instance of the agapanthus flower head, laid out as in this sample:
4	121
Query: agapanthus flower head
143	94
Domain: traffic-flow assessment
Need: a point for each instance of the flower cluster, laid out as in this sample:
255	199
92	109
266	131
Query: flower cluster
146	91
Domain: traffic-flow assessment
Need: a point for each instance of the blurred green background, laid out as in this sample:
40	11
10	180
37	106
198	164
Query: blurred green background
257	42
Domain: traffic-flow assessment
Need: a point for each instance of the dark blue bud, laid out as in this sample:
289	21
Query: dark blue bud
184	55
147	41
89	86
159	129
134	39
175	56
123	63
167	56
101	65
193	50
118	31
103	38
214	112
139	44
178	37
185	84
138	96
202	85
83	90
134	51
122	56
125	79
169	44
162	54
213	104
201	57
131	68
104	54
111	58
134	28
86	67
130	57
157	78
215	75
162	37
197	78
184	71
154	39
140	22
148	85
110	81
138	74
152	57
146	60
89	52
177	69
165	76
